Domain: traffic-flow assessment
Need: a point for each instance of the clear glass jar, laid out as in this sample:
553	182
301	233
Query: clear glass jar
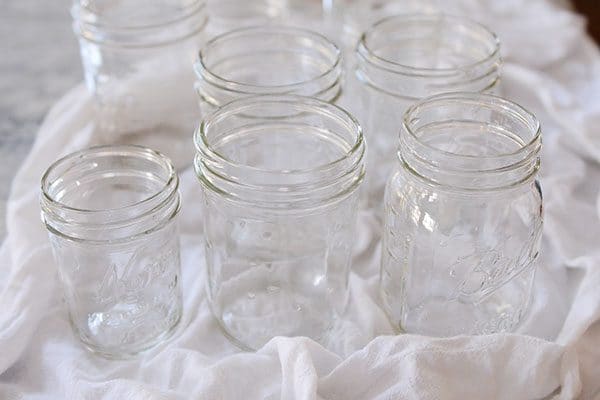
280	176
267	60
463	217
137	58
111	216
404	58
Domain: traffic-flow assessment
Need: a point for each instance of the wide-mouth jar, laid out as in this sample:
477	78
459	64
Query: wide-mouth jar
267	60
280	176
110	212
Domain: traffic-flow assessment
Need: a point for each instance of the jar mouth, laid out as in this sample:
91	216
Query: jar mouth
95	24
109	187
399	32
470	141
221	63
290	148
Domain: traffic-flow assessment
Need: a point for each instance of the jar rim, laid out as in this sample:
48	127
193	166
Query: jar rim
368	54
88	27
202	69
482	100
171	183
282	188
202	144
190	11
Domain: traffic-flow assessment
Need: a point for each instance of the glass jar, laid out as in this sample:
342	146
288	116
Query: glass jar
463	217
280	176
404	58
111	216
137	58
267	60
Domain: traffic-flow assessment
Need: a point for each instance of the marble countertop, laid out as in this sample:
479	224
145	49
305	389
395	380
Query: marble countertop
39	62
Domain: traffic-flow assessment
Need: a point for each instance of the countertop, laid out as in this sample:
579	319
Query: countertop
39	62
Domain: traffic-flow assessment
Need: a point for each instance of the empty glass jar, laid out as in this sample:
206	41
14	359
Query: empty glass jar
404	58
111	213
267	60
280	176
463	217
136	57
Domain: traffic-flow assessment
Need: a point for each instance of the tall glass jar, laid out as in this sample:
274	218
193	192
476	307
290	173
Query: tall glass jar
267	60
404	58
137	57
463	217
280	176
111	216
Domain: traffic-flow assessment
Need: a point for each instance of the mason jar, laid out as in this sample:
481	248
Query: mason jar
401	59
463	217
279	176
111	214
137	57
267	60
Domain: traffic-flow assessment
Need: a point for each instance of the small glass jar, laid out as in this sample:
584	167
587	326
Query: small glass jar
111	216
137	58
404	58
280	176
463	217
267	60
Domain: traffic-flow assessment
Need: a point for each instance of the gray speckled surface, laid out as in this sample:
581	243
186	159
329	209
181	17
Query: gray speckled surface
39	62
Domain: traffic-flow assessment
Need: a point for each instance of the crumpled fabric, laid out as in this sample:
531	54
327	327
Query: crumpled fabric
555	354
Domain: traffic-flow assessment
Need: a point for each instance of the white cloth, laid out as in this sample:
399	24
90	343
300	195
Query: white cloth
556	354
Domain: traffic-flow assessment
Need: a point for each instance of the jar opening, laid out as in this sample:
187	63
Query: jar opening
471	141
131	23
280	150
416	56
126	189
268	60
429	43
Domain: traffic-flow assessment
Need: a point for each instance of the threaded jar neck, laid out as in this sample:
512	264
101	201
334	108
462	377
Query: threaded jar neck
268	60
280	152
109	194
470	142
138	24
414	56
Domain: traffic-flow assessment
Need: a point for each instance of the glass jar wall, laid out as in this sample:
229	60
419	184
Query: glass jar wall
463	217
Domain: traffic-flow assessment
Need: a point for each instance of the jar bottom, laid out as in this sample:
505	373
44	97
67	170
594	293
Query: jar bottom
277	312
501	311
131	349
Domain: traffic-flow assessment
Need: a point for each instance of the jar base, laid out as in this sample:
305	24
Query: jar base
130	351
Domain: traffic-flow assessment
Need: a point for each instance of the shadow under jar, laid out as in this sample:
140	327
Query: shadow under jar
111	216
463	217
404	58
137	57
280	176
267	60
